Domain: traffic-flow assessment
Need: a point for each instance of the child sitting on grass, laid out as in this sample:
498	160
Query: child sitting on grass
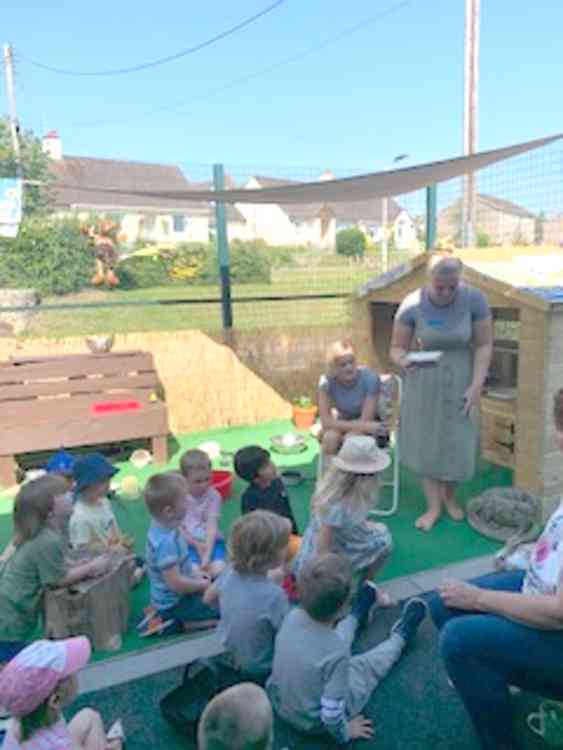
252	606
37	563
176	590
340	507
239	718
200	525
316	685
36	685
93	523
265	490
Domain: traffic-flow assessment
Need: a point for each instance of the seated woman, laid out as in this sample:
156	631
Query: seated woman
348	399
506	629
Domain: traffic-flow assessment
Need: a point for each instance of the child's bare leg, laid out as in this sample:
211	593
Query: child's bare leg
87	730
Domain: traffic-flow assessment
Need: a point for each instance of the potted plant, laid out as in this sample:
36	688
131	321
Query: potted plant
304	412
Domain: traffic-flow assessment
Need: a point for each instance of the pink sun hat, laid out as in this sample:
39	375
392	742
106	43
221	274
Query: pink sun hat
31	676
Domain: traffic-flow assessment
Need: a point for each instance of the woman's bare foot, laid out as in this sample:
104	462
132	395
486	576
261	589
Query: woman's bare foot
454	509
426	521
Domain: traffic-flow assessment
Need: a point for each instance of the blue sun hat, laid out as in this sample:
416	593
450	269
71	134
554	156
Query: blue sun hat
92	469
61	463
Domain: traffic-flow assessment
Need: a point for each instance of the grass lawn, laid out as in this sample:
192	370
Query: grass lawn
207	316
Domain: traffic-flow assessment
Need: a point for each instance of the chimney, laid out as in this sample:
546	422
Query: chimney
52	145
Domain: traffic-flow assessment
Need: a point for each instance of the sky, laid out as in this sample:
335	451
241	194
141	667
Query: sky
381	77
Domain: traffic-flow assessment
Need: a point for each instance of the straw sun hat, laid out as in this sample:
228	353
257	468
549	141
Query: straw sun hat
360	455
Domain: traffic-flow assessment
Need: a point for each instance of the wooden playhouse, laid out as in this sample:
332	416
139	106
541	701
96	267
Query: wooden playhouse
525	292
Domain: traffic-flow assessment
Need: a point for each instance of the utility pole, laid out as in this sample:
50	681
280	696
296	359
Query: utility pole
470	115
11	95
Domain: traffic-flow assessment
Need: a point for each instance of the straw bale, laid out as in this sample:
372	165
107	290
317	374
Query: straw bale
205	383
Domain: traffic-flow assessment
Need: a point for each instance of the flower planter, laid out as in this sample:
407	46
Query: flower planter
304	416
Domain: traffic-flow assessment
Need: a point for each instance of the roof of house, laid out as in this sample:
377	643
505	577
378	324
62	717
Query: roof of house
81	181
369	211
496	204
233	214
534	279
506	207
295	211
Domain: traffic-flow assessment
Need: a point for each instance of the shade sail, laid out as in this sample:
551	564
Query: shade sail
361	187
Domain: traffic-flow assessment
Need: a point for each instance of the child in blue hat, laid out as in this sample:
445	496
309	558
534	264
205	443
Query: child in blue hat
93	522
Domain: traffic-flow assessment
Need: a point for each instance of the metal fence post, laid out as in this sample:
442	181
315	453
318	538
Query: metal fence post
223	249
431	212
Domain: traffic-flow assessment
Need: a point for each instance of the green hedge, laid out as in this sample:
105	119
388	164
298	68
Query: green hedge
49	255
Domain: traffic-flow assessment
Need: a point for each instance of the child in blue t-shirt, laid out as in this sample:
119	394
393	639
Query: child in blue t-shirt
176	591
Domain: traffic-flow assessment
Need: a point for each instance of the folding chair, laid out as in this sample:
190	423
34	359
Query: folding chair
390	406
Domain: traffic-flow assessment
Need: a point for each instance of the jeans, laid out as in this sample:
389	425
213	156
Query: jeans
484	654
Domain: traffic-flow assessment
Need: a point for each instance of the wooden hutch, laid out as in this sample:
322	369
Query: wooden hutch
527	368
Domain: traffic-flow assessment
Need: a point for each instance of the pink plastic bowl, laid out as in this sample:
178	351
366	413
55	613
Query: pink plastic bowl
223	482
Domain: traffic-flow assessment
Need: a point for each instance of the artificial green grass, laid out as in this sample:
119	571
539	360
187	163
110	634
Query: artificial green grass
413	552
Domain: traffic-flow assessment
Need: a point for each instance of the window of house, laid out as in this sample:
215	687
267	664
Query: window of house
179	223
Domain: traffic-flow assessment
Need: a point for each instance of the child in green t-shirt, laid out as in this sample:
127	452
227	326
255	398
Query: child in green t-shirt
37	562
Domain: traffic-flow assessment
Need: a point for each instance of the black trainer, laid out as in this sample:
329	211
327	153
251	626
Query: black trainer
363	601
412	615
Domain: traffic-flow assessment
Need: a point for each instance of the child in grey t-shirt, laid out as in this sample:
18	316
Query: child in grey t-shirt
252	606
316	685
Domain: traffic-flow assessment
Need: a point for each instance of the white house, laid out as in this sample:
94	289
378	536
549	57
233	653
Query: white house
79	185
367	215
295	224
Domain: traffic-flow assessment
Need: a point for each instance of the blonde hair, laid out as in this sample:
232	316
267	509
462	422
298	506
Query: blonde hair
357	491
239	718
338	349
194	459
444	264
34	504
256	540
163	491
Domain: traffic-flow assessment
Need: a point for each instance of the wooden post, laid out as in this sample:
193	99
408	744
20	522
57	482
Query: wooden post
431	211
223	248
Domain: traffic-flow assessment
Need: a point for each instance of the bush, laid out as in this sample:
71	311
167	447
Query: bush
186	262
351	242
49	255
194	263
142	272
483	239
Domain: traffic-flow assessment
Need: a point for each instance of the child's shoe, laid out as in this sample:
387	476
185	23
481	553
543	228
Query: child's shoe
363	603
412	615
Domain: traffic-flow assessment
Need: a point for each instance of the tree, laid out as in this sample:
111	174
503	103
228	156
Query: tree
34	163
351	242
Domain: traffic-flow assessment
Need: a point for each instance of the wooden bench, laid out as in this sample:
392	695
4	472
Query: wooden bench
79	399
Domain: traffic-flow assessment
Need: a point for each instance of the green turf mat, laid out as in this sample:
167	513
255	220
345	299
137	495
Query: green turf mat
414	550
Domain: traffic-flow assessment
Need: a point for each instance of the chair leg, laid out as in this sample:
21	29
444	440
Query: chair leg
160	449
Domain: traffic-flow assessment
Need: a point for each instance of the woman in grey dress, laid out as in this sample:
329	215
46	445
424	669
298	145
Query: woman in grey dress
439	433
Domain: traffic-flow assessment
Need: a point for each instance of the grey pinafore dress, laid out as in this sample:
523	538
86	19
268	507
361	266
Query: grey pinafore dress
437	441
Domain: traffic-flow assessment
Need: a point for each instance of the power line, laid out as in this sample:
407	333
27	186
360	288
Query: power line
256	74
162	60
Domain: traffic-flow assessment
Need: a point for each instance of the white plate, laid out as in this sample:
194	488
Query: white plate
424	358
